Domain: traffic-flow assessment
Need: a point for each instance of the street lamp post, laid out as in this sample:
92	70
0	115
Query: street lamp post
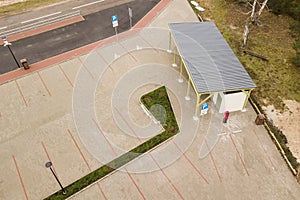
7	44
49	165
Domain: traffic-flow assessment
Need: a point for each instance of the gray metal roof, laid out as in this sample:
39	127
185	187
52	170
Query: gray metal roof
209	60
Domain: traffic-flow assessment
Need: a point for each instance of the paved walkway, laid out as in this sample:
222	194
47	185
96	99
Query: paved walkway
44	115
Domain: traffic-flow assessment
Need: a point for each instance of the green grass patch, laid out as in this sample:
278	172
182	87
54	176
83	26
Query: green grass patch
24	6
277	79
158	96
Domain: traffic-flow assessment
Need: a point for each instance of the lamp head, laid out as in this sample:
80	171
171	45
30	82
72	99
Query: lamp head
4	37
6	43
48	164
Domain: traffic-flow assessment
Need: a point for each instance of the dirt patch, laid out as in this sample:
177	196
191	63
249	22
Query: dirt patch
288	122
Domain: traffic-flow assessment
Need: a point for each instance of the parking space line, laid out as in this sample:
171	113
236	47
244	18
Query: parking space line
137	137
87	164
21	93
85	67
71	135
135	184
162	171
128	52
100	130
169	180
130	176
243	163
20	177
102	57
191	163
265	151
47	154
44	84
213	160
68	79
148	43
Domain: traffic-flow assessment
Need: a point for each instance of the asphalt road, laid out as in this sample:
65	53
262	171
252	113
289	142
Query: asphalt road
96	26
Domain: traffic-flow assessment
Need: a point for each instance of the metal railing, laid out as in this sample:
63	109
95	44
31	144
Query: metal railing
39	23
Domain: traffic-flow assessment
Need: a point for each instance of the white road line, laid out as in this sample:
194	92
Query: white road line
40	17
88	4
3	27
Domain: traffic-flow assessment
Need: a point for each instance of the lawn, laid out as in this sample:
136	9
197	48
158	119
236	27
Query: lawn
24	6
276	79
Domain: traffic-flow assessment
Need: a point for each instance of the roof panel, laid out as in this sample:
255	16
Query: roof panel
209	59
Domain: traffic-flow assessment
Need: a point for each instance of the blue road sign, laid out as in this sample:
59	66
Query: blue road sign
114	18
204	106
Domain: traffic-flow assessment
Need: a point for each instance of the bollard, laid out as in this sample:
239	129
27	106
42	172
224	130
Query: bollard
226	115
25	63
260	119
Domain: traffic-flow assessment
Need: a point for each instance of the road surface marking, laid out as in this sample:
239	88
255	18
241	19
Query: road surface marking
104	60
191	163
243	162
20	177
169	180
265	151
86	68
30	20
21	93
87	164
77	146
161	170
213	160
44	84
4	27
47	154
128	52
70	82
130	176
128	125
88	4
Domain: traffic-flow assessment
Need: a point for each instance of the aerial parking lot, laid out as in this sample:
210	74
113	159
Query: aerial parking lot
84	111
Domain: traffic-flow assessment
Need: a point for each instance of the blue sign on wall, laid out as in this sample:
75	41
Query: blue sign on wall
204	106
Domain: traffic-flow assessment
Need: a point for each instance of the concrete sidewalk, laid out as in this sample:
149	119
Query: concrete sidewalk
103	83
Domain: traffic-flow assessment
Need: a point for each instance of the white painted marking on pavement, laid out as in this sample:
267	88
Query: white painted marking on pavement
40	17
88	4
4	27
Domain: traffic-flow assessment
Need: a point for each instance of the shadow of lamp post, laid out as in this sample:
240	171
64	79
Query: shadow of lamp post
7	44
49	165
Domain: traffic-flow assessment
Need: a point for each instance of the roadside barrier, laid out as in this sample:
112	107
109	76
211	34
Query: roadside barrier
39	23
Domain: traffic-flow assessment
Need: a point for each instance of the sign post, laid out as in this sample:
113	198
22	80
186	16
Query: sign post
204	108
114	20
130	17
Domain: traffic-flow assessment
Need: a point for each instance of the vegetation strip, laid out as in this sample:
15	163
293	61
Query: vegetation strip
156	97
24	6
